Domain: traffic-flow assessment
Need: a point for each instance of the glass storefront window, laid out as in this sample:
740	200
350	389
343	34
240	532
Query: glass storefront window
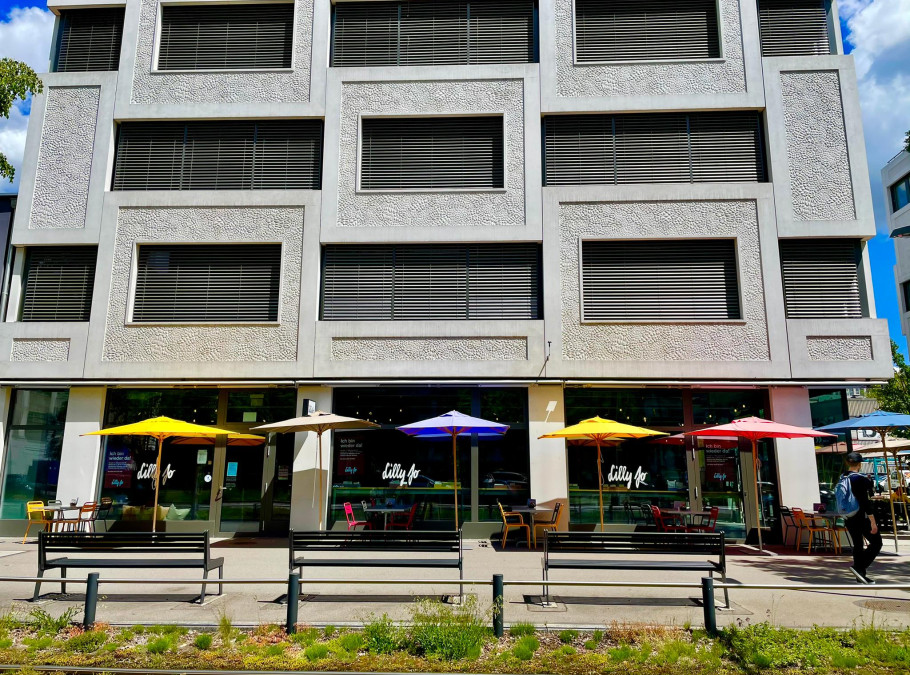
710	408
260	406
652	408
33	446
826	407
124	406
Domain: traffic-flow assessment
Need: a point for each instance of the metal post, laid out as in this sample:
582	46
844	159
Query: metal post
91	601
498	606
293	600
707	598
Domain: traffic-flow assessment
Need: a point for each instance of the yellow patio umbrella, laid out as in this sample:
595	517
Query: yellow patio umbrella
161	428
599	431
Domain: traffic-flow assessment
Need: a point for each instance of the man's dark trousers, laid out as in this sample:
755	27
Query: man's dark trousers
859	526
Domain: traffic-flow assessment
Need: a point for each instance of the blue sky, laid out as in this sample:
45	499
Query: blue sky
876	32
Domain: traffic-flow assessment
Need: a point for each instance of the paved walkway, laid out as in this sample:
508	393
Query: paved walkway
576	606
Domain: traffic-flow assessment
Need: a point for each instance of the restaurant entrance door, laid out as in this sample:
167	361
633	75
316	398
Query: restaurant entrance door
255	493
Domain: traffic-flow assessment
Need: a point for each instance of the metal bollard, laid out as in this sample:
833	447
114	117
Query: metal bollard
91	601
293	600
707	598
498	606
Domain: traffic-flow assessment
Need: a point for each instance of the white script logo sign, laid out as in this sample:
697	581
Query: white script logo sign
396	472
620	474
148	471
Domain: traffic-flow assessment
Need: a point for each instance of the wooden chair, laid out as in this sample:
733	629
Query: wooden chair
513	521
825	533
403	521
661	521
551	524
88	513
708	523
352	521
36	515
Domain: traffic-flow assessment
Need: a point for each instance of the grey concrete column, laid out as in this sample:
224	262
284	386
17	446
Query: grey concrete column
305	486
549	471
6	400
80	461
797	473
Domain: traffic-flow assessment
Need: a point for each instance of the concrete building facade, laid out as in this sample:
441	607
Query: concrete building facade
895	179
539	370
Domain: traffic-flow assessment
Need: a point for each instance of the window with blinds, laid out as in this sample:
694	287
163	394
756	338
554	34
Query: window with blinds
821	278
428	33
698	147
226	37
660	280
207	283
58	282
423	282
88	39
794	27
222	155
431	153
639	30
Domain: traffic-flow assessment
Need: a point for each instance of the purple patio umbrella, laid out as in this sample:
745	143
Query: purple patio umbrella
454	424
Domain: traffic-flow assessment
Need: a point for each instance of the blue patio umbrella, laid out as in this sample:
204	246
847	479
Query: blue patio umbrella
454	424
880	422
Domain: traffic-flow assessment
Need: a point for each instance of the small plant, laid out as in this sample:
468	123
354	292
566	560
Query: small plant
591	645
160	645
517	630
381	635
203	641
86	643
566	650
275	650
167	629
446	632
43	622
138	629
225	627
351	642
10	621
597	636
525	647
5	643
305	636
125	635
38	643
328	632
567	637
316	652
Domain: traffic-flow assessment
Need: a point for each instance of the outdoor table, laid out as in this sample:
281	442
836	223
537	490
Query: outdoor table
57	510
531	511
684	516
385	511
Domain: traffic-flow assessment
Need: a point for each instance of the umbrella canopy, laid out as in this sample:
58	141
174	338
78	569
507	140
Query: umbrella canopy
161	428
756	429
454	424
880	421
250	440
600	431
320	422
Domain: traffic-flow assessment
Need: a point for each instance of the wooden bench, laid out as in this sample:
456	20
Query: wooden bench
408	543
642	545
159	550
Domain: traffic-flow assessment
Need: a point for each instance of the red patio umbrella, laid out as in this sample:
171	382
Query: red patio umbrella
756	429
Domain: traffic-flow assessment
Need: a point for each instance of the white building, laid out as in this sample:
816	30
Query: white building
532	211
896	182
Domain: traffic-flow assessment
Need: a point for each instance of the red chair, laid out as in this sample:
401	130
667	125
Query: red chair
708	524
352	521
661	521
404	521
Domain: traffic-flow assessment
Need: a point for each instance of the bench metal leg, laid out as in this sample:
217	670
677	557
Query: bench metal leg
546	587
205	575
221	576
723	578
37	587
63	580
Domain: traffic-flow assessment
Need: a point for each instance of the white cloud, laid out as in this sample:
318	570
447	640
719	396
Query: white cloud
12	144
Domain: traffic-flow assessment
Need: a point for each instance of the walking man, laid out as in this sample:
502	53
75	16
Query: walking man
853	500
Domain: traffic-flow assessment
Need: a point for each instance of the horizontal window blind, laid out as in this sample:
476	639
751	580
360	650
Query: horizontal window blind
226	37
89	39
695	147
821	278
793	27
58	283
421	282
426	33
207	282
660	280
224	155
633	30
432	153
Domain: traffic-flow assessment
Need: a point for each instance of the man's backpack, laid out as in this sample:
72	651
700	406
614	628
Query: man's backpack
847	504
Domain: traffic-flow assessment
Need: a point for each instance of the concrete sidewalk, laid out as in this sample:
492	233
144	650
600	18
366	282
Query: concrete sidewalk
342	603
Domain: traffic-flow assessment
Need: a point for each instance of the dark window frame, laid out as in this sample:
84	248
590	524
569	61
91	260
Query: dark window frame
892	191
905	294
800	260
780	43
27	311
64	25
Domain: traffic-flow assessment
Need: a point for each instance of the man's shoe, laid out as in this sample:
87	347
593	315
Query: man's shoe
860	577
868	579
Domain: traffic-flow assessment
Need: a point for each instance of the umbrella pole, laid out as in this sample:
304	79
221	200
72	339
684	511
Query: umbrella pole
903	484
890	495
157	483
600	487
757	490
455	473
321	481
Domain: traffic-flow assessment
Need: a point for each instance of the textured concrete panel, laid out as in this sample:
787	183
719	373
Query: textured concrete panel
663	341
817	146
430	349
656	79
65	158
432	209
206	343
223	86
839	348
27	350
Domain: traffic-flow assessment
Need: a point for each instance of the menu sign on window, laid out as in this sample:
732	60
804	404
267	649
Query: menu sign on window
351	462
119	470
720	466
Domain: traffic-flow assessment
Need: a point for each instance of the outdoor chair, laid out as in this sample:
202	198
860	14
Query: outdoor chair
403	521
788	523
104	510
547	525
513	521
88	513
822	533
54	516
36	515
707	524
665	523
352	521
